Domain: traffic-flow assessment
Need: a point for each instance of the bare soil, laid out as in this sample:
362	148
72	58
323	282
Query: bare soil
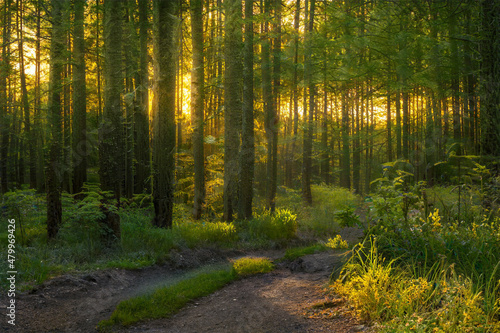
290	299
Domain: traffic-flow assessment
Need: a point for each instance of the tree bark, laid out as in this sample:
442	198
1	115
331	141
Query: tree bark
4	74
141	122
164	118
308	133
111	141
197	106
232	105
79	100
490	73
247	157
53	169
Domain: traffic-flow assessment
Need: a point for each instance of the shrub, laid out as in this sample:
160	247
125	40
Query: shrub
280	226
206	233
337	243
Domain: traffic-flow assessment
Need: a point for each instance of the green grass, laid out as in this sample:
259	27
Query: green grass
249	266
166	301
398	300
325	217
294	253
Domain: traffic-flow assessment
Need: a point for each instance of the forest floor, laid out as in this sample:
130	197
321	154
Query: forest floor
292	298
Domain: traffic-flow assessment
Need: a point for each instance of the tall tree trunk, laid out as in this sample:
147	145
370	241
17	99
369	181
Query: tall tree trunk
295	92
247	157
399	153
276	102
490	73
53	169
40	178
111	142
4	75
98	63
406	125
356	149
31	139
164	118
197	106
129	98
141	115
269	108
345	174
79	100
389	126
66	184
232	104
308	135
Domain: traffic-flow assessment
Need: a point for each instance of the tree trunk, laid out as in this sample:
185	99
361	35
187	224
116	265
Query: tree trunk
232	104
164	118
308	135
345	176
31	139
269	108
4	75
111	143
247	157
197	106
141	121
490	73
79	100
53	169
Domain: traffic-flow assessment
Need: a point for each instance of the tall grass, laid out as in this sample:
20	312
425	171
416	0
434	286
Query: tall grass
325	217
398	300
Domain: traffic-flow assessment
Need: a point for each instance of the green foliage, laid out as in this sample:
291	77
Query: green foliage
297	252
250	266
206	233
282	225
337	243
443	226
333	208
440	301
347	218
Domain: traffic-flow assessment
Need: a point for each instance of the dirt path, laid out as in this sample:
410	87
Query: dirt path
286	300
289	299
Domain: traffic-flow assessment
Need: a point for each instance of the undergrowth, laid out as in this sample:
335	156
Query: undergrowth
435	264
80	243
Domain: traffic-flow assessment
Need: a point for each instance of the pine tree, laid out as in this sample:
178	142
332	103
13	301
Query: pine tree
79	100
197	106
232	105
164	113
53	169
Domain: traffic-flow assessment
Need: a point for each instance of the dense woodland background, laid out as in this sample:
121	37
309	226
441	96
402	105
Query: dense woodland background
135	133
194	100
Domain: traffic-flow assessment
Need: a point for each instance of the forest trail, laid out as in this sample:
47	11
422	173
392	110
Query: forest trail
289	299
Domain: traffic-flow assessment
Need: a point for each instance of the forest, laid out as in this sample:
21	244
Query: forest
230	141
